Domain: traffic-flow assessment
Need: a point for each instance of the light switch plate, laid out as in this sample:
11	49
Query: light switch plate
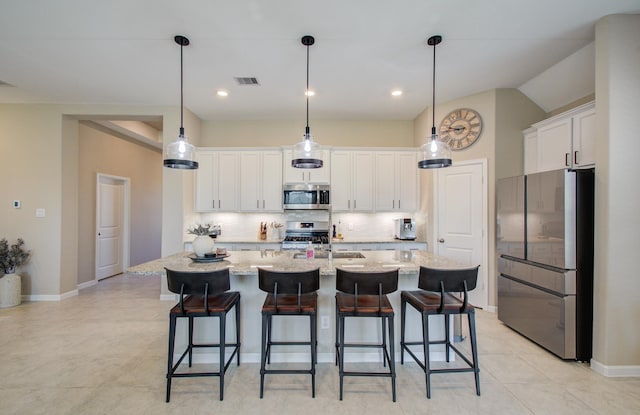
40	213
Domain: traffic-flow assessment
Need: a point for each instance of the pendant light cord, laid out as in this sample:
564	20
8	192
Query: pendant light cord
433	102
181	94
307	92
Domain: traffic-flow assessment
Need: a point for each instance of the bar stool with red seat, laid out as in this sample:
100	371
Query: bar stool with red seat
288	294
202	294
364	294
435	298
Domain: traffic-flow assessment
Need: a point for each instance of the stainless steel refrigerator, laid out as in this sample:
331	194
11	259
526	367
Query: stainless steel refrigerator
544	229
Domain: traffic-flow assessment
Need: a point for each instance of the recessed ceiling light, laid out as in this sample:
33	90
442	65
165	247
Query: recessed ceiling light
222	93
309	93
396	92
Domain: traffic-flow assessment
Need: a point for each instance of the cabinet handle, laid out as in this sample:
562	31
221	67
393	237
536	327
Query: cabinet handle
214	204
257	204
575	157
262	203
394	204
398	203
354	203
218	203
303	176
349	204
566	159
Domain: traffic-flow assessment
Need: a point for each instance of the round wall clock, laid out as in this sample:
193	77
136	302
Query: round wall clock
460	128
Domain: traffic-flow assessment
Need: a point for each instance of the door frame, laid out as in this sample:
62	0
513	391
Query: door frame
126	212
484	266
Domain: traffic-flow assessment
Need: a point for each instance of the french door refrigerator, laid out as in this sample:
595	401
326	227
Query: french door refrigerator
544	228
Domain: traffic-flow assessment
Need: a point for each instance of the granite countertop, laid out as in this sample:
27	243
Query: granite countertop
247	262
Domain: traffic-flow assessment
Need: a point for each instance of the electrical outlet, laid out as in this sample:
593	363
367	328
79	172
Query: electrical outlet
324	322
350	226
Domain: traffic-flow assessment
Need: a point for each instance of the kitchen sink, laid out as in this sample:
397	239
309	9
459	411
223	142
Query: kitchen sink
325	255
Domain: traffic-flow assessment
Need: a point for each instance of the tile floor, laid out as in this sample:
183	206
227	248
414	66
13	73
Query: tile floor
104	351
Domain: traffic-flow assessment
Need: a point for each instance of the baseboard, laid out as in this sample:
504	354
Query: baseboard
373	357
87	284
168	297
615	371
491	309
59	297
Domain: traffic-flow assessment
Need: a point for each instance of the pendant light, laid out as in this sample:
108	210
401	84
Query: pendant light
180	154
434	153
307	154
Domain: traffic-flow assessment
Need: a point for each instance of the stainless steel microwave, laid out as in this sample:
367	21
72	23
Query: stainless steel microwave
306	196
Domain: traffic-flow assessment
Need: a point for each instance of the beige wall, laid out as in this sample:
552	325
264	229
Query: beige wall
505	113
260	133
101	152
616	286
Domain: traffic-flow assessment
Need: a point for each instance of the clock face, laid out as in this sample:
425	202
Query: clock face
460	128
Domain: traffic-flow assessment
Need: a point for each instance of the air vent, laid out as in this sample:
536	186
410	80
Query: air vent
247	81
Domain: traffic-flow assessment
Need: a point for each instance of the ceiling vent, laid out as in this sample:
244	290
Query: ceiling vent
246	81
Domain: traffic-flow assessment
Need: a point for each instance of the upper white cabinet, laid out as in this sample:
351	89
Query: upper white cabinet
216	181
352	175
396	181
316	176
260	181
564	141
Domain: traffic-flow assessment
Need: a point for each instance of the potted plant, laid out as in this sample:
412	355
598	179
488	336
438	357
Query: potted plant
203	243
11	257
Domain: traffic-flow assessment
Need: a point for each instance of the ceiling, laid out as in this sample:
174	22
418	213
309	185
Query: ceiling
122	52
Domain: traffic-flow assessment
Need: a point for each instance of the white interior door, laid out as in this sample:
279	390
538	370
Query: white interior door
461	220
111	214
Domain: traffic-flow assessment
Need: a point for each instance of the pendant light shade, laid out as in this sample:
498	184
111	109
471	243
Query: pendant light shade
434	153
180	154
307	154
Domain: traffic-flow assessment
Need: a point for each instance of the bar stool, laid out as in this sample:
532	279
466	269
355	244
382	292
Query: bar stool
288	294
202	294
435	298
364	294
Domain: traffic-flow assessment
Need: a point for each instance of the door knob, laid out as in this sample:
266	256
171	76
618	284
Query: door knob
441	240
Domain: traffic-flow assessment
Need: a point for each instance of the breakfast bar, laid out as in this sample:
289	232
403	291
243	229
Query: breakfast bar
243	268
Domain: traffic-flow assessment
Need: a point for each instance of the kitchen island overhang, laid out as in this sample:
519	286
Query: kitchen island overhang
243	268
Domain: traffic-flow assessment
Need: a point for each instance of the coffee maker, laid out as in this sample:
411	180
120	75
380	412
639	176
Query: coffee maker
404	229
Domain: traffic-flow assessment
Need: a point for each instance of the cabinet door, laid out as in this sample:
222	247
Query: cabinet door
294	175
554	145
407	181
385	173
227	179
271	181
340	181
531	152
206	194
584	138
250	200
362	183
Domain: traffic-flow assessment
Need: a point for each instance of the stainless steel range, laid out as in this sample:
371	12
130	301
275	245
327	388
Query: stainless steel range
299	234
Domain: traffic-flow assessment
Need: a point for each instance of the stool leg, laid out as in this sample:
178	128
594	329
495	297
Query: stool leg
223	324
312	343
446	337
269	326
172	334
263	352
337	334
238	332
425	339
474	349
403	312
392	363
341	353
384	341
190	339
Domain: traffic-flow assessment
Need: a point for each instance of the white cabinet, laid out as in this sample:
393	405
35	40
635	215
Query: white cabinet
396	181
352	181
316	176
564	141
216	181
260	181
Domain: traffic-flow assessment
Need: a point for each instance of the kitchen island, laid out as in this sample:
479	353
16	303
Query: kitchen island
243	268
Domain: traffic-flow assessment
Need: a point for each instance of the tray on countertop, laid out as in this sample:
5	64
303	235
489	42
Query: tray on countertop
208	257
